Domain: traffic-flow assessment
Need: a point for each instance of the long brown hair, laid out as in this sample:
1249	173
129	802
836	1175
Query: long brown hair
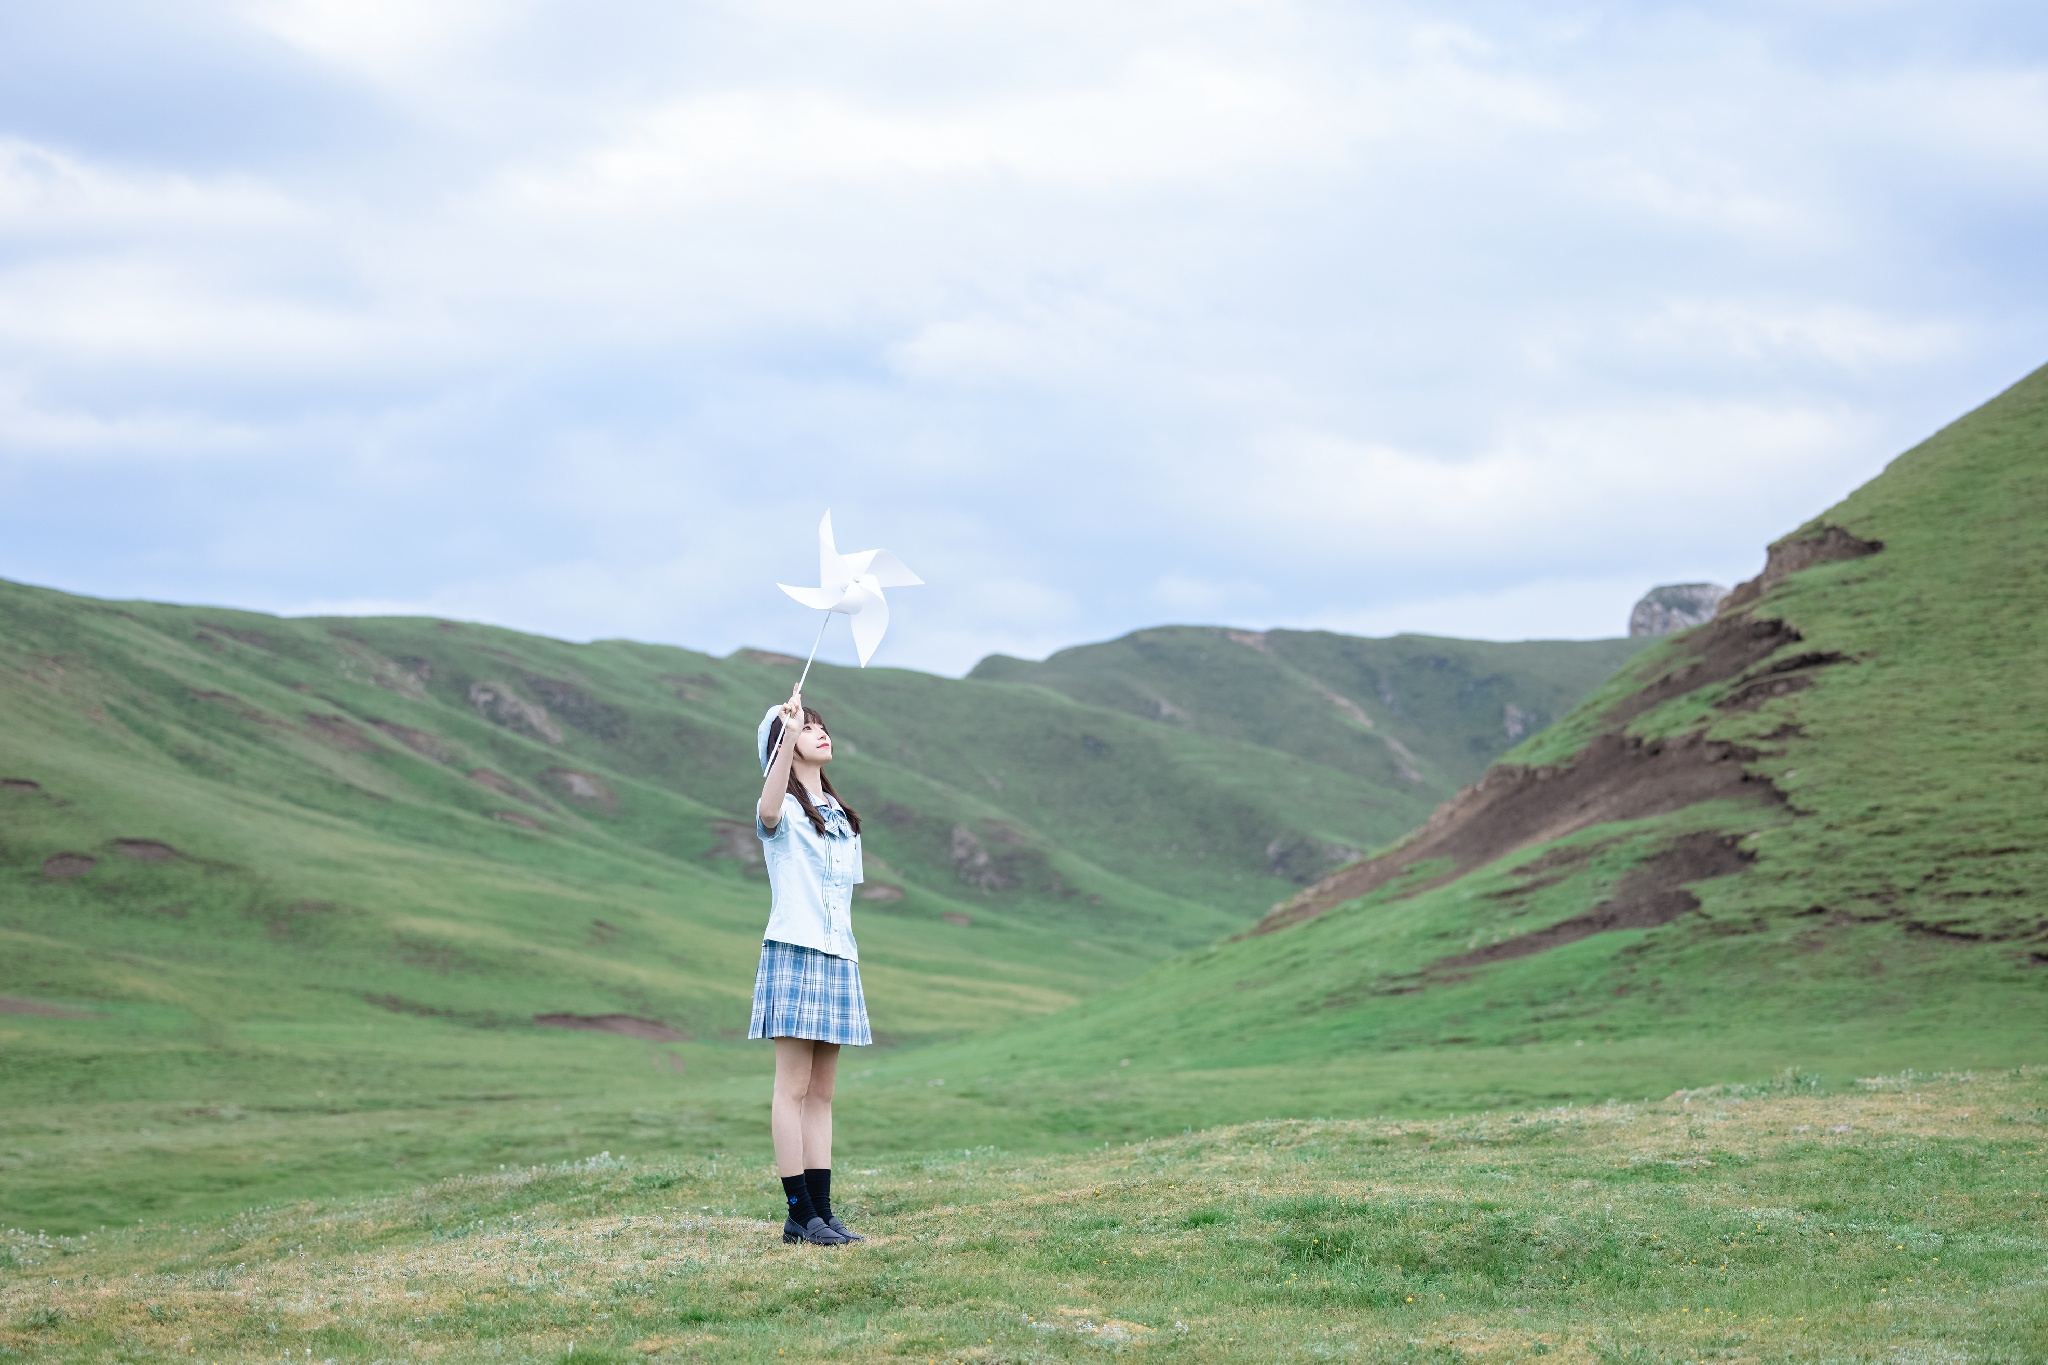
796	786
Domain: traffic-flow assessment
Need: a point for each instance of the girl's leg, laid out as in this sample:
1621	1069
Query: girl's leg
788	1113
817	1131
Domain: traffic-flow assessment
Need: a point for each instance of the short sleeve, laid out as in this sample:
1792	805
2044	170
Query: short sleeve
781	830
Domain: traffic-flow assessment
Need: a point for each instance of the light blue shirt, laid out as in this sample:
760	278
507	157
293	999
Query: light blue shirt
811	877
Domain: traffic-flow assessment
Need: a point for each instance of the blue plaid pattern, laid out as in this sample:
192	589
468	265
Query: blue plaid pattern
802	993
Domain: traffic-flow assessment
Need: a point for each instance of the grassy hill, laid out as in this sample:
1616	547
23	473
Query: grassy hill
1811	833
283	901
1424	711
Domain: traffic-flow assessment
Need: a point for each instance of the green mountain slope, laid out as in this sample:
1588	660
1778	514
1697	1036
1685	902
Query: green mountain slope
339	867
1418	710
1816	824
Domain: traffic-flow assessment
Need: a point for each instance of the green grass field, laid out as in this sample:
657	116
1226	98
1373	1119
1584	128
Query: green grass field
280	903
1898	1219
322	876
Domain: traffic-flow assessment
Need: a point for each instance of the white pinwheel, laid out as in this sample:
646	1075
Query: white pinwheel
852	586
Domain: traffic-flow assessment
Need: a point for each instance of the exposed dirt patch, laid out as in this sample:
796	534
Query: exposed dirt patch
1826	546
340	732
419	741
955	917
1513	807
1725	648
879	891
625	1025
14	1004
1754	695
146	850
1780	679
1251	639
1650	895
585	789
763	656
19	784
60	867
519	818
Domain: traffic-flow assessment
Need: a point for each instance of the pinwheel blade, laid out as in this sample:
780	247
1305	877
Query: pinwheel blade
823	599
834	569
870	622
889	571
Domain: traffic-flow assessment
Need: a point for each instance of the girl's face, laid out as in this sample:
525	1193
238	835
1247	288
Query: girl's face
814	742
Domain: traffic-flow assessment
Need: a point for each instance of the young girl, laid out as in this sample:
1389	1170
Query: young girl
807	993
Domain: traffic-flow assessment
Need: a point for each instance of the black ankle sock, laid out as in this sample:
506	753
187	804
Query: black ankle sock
799	1196
819	1182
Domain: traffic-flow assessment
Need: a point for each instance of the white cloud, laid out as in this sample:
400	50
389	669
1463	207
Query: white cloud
1168	117
1677	473
46	191
1546	609
382	38
1854	338
1100	312
30	430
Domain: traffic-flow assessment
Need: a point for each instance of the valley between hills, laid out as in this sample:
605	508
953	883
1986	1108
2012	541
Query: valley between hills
299	905
304	912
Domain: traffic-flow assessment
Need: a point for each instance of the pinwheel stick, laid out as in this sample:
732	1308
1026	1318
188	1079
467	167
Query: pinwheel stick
814	650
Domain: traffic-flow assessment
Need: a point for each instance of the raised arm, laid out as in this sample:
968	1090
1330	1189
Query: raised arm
776	783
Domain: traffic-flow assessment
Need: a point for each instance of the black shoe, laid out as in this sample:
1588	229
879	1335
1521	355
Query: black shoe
844	1231
817	1233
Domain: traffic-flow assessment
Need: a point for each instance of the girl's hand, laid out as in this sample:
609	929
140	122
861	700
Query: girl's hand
776	780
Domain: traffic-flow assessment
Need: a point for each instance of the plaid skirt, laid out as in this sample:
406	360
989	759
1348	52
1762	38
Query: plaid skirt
803	993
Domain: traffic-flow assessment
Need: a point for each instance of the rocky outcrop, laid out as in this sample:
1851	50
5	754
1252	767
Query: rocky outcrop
496	701
1824	546
1673	607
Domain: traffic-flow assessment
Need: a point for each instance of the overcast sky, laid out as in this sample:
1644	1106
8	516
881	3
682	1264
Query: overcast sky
1468	318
